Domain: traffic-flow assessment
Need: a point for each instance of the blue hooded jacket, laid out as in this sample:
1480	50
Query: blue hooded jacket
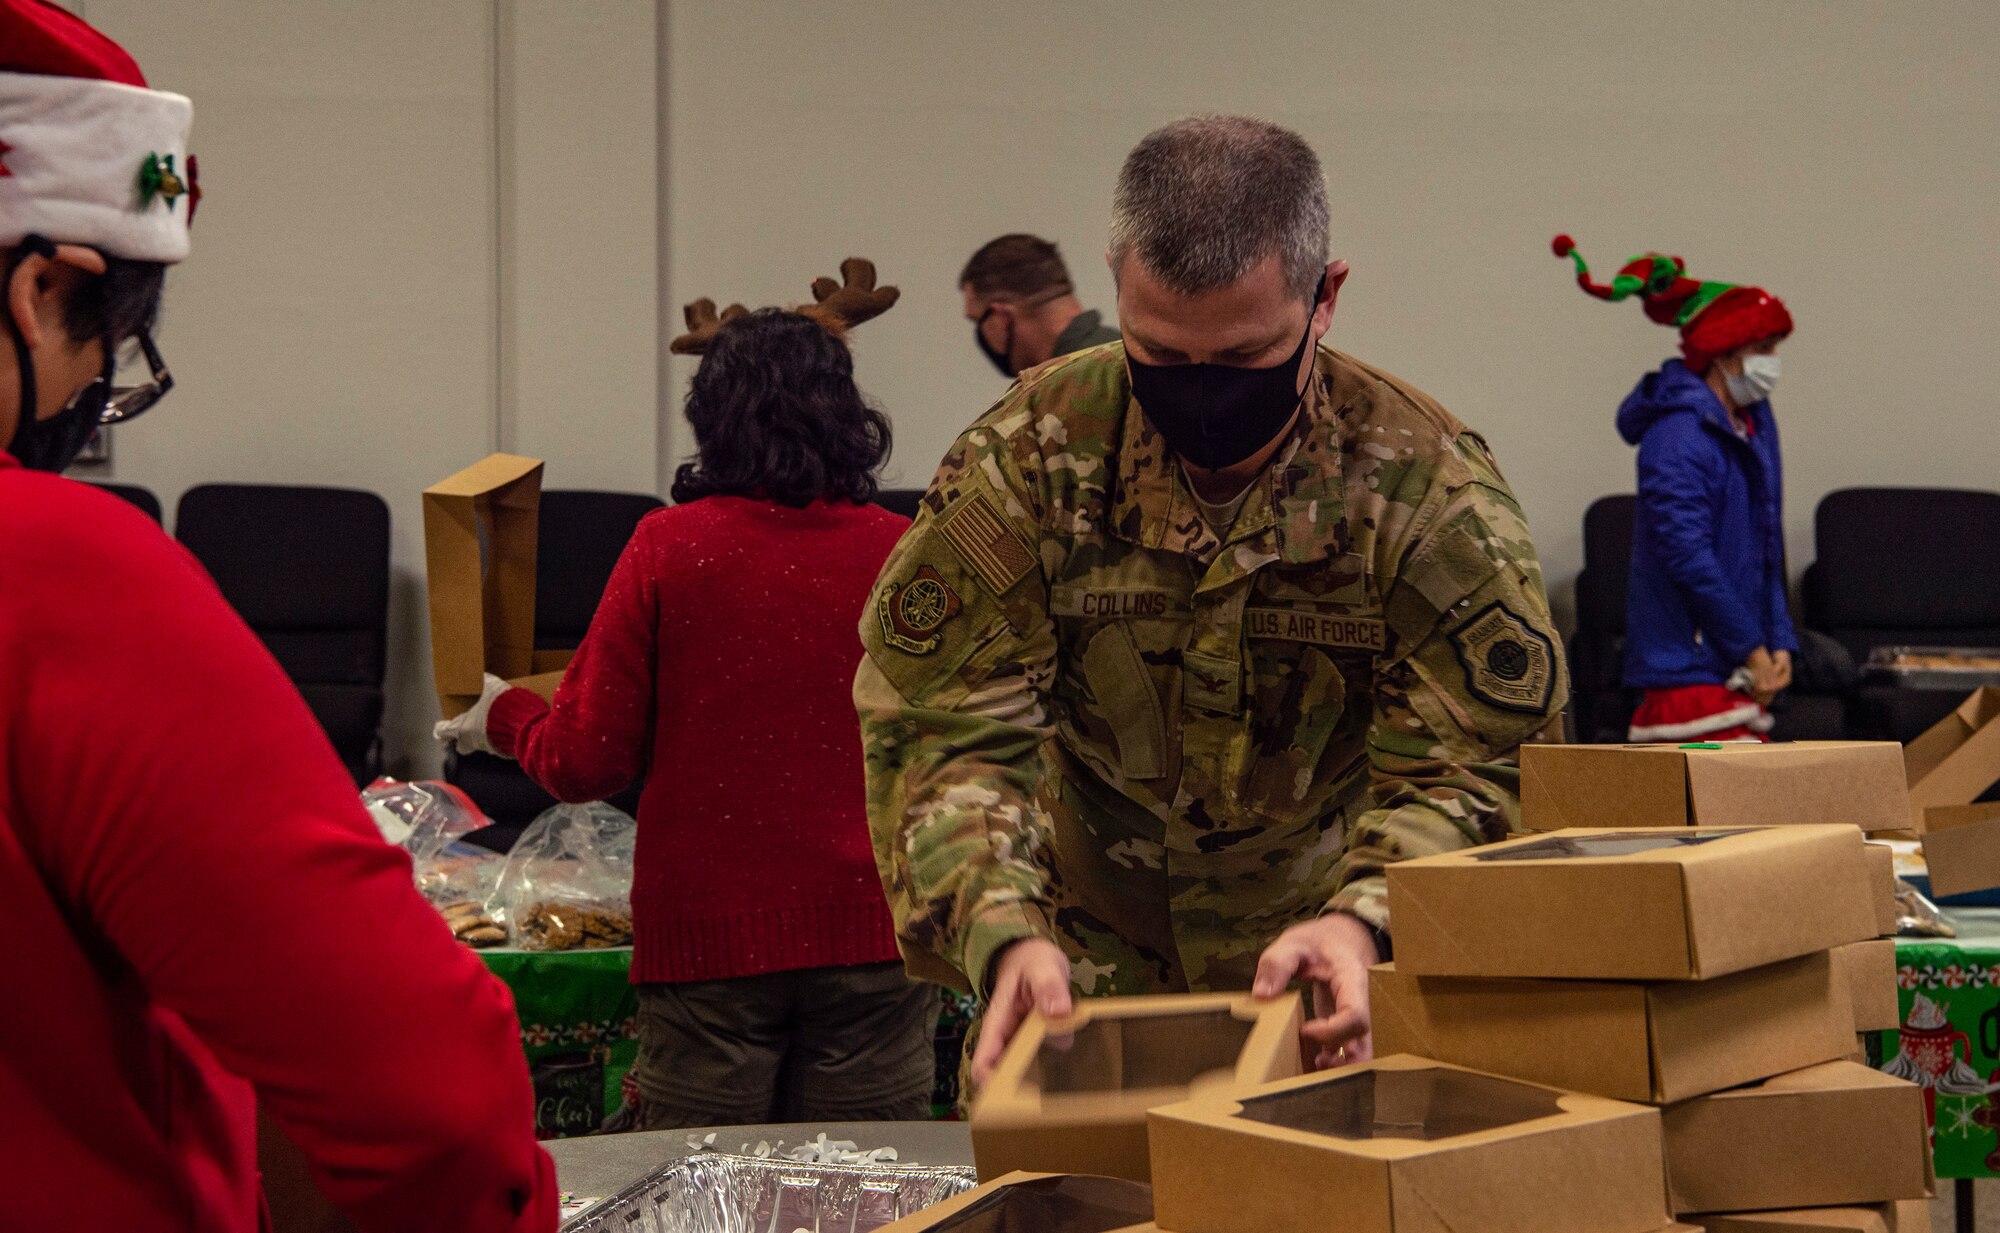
1707	585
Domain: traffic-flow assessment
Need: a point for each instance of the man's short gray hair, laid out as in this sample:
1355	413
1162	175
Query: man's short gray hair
1204	199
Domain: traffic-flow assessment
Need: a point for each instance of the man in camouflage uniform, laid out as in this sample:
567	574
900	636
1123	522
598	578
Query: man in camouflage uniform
1136	725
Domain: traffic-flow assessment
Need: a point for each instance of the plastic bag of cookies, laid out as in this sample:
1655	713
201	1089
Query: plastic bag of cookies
567	884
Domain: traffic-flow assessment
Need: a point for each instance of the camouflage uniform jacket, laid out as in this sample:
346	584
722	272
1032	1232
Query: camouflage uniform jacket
1088	716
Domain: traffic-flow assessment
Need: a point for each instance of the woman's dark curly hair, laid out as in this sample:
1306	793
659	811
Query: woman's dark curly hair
776	416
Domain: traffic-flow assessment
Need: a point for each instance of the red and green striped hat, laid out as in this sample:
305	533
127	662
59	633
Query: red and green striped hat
1714	318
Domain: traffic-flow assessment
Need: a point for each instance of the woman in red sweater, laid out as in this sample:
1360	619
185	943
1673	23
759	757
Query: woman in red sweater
720	662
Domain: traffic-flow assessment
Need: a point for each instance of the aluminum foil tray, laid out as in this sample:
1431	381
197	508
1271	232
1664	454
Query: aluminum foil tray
711	1192
1934	669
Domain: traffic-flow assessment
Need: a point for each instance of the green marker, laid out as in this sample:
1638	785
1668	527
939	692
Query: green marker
1702	745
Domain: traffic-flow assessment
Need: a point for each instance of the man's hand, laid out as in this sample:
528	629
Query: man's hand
1334	953
1781	663
1033	974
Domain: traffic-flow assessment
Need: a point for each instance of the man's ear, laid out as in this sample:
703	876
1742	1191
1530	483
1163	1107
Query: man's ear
1329	294
24	295
42	283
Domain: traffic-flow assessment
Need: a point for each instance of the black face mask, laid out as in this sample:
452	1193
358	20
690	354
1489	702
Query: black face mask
1215	415
1002	357
51	444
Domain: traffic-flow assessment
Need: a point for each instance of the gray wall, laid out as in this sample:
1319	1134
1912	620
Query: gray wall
431	228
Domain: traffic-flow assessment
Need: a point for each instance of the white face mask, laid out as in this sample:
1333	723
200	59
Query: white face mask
1755	383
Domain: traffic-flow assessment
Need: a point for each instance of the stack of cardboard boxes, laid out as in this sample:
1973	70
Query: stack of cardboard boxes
1712	972
1601	1030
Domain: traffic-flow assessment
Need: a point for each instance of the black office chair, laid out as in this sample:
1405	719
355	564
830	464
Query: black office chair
902	501
1905	567
308	570
1600	707
582	535
132	494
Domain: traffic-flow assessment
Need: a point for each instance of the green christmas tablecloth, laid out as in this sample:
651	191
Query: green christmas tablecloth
1950	1038
580	1029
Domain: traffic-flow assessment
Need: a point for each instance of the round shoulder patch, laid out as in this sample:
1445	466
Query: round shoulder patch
913	611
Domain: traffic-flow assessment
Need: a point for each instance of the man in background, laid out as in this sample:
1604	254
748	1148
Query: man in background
1023	307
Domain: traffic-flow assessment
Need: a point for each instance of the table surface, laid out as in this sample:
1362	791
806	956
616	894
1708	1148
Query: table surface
602	1165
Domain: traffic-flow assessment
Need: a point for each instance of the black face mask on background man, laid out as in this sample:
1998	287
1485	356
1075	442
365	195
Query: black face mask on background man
1002	358
1216	415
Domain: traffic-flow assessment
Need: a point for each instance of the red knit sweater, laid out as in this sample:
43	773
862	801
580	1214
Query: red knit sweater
721	661
202	920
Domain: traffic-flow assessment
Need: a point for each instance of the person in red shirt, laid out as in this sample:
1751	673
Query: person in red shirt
719	662
202	921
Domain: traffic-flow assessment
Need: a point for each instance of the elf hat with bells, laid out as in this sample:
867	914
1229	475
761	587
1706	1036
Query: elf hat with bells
89	155
1714	318
837	306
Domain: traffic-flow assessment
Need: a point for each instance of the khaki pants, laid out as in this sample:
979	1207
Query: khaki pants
845	1044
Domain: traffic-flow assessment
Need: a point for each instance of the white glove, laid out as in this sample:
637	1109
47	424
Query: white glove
467	733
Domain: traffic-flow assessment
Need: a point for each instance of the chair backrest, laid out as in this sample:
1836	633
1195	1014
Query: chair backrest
142	498
307	568
1906	565
1599	707
1607	560
582	535
900	500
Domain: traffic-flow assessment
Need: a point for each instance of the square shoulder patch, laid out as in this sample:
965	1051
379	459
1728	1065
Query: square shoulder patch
1508	663
982	538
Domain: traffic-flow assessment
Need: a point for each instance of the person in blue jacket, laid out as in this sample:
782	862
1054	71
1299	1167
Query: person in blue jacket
1708	631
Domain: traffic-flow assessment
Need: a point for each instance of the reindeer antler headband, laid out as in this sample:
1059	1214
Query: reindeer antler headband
838	307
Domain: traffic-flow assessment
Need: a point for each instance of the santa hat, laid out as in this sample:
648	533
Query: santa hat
88	154
1714	318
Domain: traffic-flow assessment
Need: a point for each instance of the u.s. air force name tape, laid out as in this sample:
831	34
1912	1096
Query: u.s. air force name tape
1320	628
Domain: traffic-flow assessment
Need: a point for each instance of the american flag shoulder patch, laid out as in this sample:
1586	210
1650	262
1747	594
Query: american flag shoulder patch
979	534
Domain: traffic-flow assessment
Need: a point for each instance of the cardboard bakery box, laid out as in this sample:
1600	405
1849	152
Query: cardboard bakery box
1957	759
1735	784
1882	887
1962	848
480	534
1403	1144
1041	1202
1651	1042
1867	971
1838	1133
1911	1216
1685	904
1070	1095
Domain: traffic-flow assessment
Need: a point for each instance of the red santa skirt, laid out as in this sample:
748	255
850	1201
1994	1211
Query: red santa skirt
1699	713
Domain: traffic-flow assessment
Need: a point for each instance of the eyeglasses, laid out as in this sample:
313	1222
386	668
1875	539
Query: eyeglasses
128	402
131	401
